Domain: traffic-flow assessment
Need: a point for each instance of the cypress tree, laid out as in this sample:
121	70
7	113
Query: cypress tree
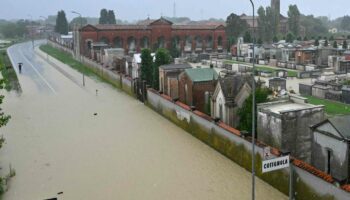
61	23
103	17
146	66
162	58
111	17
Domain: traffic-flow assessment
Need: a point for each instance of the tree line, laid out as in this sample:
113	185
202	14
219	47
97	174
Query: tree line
299	26
150	66
62	26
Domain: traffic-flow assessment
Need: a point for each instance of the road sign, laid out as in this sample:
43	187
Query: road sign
275	164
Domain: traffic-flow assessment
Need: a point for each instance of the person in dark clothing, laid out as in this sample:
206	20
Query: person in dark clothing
20	67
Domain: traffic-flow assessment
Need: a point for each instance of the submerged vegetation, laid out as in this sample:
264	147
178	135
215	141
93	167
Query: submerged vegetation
8	73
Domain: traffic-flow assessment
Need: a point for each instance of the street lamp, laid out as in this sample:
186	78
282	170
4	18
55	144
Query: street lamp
78	38
31	29
45	30
254	109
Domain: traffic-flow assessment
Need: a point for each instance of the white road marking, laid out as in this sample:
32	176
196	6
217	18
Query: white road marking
37	72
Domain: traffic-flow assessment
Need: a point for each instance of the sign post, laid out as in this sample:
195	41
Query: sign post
275	164
280	163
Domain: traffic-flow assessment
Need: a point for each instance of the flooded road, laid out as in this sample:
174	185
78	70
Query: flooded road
56	143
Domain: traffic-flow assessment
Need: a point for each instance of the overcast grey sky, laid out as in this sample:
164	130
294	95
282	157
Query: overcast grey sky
139	9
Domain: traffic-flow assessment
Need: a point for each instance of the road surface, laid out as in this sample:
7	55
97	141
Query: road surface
64	138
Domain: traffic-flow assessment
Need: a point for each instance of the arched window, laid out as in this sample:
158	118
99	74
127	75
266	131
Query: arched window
104	40
199	42
209	42
188	41
220	41
89	44
161	42
118	42
186	93
145	42
131	43
176	42
220	110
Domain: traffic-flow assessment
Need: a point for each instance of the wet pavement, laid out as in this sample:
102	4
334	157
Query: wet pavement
57	143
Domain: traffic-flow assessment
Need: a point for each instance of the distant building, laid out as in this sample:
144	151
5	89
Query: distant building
285	125
195	86
230	94
333	30
169	78
331	147
155	34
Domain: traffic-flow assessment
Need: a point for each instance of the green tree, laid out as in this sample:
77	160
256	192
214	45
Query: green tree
267	26
335	44
103	16
61	23
326	43
235	27
275	39
4	119
345	45
345	23
290	37
162	58
313	26
306	38
111	17
294	19
261	22
331	38
146	66
316	43
245	113
247	37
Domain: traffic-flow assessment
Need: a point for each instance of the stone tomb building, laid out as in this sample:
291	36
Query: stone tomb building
330	147
285	125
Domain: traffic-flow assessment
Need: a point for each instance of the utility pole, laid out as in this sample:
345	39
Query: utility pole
253	107
31	30
45	31
78	42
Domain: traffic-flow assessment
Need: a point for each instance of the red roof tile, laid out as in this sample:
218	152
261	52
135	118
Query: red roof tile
313	170
182	105
200	114
229	128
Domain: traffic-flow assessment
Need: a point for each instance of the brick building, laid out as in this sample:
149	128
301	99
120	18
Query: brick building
193	86
154	34
168	78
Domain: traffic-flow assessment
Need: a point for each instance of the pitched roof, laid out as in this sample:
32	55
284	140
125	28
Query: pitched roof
119	27
232	84
341	123
198	26
201	74
176	66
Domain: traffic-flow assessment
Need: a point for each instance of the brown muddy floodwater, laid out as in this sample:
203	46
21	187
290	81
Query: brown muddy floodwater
126	151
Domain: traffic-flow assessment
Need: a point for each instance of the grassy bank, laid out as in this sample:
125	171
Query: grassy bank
68	59
8	73
331	107
264	68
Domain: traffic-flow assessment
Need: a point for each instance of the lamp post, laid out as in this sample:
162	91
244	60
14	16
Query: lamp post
31	30
78	42
253	107
45	30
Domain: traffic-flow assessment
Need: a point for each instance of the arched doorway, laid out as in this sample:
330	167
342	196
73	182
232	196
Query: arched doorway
131	44
118	42
145	42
